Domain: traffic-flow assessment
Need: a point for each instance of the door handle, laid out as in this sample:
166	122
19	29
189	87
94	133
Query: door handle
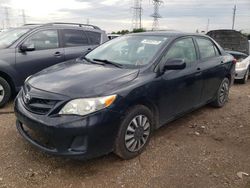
198	73
57	54
89	49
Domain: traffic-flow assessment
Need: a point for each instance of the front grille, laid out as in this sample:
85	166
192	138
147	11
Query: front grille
38	105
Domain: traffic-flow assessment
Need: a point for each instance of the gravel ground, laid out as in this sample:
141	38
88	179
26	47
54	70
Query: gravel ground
204	149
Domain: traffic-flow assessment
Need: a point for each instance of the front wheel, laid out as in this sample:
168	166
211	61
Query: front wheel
134	133
222	94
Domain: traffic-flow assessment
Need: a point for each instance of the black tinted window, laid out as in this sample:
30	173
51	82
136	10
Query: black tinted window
94	37
206	47
43	40
182	49
73	38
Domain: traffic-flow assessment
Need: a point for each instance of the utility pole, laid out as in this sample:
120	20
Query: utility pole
156	15
7	19
24	17
234	14
137	15
208	23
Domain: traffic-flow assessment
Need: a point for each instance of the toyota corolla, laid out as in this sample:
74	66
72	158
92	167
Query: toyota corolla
112	99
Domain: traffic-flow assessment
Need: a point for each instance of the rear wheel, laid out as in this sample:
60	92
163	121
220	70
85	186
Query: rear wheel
5	92
244	80
222	94
134	133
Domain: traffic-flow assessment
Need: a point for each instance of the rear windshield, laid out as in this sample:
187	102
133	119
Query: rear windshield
9	37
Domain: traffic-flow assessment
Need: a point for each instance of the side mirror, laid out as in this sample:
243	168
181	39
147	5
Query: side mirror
25	48
175	64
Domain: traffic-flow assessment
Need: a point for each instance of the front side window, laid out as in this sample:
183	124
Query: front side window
74	38
207	48
130	51
182	49
94	37
43	40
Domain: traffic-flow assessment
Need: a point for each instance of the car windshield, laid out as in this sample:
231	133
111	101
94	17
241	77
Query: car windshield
7	38
128	51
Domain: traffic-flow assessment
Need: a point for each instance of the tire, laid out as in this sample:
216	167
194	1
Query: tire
5	92
222	94
125	147
244	80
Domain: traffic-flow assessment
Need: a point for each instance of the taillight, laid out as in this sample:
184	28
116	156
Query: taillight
234	61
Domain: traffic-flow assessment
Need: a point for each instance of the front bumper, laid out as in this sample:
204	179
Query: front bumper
240	73
83	137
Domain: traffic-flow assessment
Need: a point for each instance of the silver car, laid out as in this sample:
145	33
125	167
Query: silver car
242	66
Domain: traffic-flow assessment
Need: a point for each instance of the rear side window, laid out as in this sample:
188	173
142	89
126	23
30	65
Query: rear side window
207	48
72	38
94	37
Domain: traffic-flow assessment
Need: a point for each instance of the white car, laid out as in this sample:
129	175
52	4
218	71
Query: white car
242	66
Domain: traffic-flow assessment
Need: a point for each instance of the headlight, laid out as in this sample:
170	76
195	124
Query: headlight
87	106
241	65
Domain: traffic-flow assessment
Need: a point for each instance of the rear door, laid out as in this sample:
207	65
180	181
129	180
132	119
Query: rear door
75	43
47	52
212	66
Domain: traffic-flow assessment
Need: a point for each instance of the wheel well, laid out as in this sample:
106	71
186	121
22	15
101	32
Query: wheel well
151	107
229	77
9	80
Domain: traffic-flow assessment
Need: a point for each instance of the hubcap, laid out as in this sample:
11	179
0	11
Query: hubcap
224	92
137	133
1	93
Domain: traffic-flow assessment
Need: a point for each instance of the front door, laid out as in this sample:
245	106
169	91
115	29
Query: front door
46	53
180	90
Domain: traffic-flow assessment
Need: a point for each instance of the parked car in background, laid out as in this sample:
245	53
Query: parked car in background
113	36
242	66
114	97
230	40
31	48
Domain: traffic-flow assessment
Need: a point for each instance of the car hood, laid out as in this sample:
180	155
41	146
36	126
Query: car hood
77	79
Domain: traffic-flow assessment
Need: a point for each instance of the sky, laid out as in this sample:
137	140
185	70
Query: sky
114	15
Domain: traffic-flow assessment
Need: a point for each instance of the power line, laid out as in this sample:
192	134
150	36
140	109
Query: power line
156	15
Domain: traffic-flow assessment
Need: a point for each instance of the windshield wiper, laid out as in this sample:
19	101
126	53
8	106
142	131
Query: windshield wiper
88	60
109	62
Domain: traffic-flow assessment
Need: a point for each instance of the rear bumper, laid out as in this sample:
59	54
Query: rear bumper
75	136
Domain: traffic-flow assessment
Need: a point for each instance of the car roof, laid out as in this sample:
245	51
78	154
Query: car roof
61	25
169	34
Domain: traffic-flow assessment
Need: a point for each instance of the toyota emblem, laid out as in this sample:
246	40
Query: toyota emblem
27	98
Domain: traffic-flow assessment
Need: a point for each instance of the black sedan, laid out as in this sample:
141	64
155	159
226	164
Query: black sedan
112	99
